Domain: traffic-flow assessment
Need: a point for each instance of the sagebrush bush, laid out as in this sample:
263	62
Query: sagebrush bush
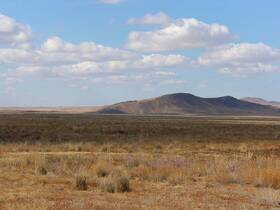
115	184
107	185
41	170
122	184
117	181
103	169
81	183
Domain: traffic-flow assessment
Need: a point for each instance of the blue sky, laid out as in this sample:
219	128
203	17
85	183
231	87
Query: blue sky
89	52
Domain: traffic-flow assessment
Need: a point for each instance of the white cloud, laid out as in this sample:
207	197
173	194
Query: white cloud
15	56
183	34
243	52
13	33
57	50
159	61
149	63
89	61
151	19
242	58
173	82
165	73
249	68
111	1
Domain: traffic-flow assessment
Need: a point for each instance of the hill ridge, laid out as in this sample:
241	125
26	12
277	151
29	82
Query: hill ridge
186	103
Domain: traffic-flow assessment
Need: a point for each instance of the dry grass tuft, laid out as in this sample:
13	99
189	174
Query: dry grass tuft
268	178
177	178
103	169
114	184
121	184
81	183
107	185
41	170
117	181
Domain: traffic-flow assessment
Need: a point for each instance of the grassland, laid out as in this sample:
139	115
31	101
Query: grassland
84	161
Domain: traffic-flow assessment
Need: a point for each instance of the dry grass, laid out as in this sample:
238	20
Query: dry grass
141	174
81	183
186	169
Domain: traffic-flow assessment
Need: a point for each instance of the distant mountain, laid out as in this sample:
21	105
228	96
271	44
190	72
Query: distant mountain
262	102
184	103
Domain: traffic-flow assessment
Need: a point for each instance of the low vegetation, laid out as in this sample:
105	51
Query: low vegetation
143	173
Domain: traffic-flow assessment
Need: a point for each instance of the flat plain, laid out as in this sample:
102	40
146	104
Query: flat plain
87	161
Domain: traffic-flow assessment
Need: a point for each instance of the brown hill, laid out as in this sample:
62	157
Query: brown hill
184	103
262	102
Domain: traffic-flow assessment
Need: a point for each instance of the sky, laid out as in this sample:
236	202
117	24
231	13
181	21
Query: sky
96	52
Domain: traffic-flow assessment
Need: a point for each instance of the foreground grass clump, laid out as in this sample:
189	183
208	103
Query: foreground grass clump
268	178
258	171
103	169
117	181
41	170
81	183
115	184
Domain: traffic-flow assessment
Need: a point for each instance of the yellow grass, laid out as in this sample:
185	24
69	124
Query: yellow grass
177	176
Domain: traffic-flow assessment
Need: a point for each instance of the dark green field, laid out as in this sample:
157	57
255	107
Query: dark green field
61	128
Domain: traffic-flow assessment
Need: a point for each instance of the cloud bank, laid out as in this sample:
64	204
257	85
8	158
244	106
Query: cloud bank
149	57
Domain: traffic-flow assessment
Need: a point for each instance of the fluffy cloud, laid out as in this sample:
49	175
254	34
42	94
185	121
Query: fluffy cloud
151	19
242	58
15	56
57	50
57	58
13	33
148	63
182	34
243	52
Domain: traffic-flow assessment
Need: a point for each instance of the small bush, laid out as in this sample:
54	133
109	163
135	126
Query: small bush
122	184
41	170
107	185
81	183
115	184
102	172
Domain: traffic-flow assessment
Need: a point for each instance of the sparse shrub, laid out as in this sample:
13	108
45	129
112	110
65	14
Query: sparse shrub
177	178
41	170
117	181
243	148
227	171
115	184
107	185
122	184
102	171
81	183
